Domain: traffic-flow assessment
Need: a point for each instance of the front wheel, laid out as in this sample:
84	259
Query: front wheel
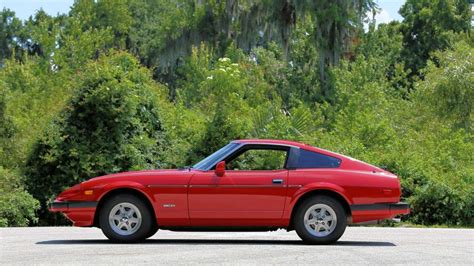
126	218
320	220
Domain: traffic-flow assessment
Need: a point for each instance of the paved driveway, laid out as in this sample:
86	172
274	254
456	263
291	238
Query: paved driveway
359	245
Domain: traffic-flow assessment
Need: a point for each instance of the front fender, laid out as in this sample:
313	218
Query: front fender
107	188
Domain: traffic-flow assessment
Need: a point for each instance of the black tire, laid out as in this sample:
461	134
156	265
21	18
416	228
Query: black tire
310	237
143	231
153	231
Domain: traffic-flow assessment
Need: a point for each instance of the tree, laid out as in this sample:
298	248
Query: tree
448	87
336	26
39	35
221	96
7	130
112	124
428	26
76	46
10	29
164	42
104	14
385	44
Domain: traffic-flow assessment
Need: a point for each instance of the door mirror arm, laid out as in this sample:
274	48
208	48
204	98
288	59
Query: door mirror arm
220	169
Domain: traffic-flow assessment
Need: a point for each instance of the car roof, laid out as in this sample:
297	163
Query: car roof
304	146
272	141
289	143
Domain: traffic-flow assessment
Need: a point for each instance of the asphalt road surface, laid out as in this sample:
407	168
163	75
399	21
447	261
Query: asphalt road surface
359	245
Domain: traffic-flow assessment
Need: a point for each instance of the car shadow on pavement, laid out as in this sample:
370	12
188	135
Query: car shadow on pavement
212	242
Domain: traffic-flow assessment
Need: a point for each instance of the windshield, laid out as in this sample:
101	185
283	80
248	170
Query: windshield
211	159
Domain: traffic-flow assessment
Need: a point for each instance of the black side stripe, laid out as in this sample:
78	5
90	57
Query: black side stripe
370	207
83	204
74	204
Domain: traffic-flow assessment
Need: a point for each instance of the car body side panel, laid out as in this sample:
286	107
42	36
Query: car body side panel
239	198
170	196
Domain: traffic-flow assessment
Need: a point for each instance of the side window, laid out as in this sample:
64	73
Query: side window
259	159
309	159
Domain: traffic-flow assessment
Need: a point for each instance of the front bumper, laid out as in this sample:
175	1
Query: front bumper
63	206
81	213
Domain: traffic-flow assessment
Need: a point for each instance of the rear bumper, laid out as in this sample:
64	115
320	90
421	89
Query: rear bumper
378	211
399	208
81	213
394	208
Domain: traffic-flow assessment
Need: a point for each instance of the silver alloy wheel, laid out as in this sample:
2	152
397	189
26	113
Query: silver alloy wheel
125	218
320	220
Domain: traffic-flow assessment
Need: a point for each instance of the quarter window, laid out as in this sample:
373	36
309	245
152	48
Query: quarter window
309	159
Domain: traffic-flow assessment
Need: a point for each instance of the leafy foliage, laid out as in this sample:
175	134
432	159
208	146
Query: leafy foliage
75	104
428	26
449	88
112	124
17	207
9	30
259	160
436	202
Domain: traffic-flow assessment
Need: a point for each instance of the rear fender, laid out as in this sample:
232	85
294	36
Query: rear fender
309	188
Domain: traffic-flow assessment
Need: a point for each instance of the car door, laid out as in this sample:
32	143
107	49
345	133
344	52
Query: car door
251	192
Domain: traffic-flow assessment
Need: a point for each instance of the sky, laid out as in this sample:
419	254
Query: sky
25	8
389	10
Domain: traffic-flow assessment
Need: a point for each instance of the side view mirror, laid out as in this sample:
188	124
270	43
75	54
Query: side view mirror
220	168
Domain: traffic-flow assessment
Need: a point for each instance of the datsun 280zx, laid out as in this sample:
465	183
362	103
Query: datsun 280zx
247	185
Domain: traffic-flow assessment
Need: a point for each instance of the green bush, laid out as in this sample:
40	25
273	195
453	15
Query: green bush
438	203
17	207
112	124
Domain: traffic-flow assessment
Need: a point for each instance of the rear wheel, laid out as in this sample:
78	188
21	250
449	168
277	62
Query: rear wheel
126	218
320	220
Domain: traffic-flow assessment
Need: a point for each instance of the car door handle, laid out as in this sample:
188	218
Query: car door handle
277	181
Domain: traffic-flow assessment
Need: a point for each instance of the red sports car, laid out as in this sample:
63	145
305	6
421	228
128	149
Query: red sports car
247	185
